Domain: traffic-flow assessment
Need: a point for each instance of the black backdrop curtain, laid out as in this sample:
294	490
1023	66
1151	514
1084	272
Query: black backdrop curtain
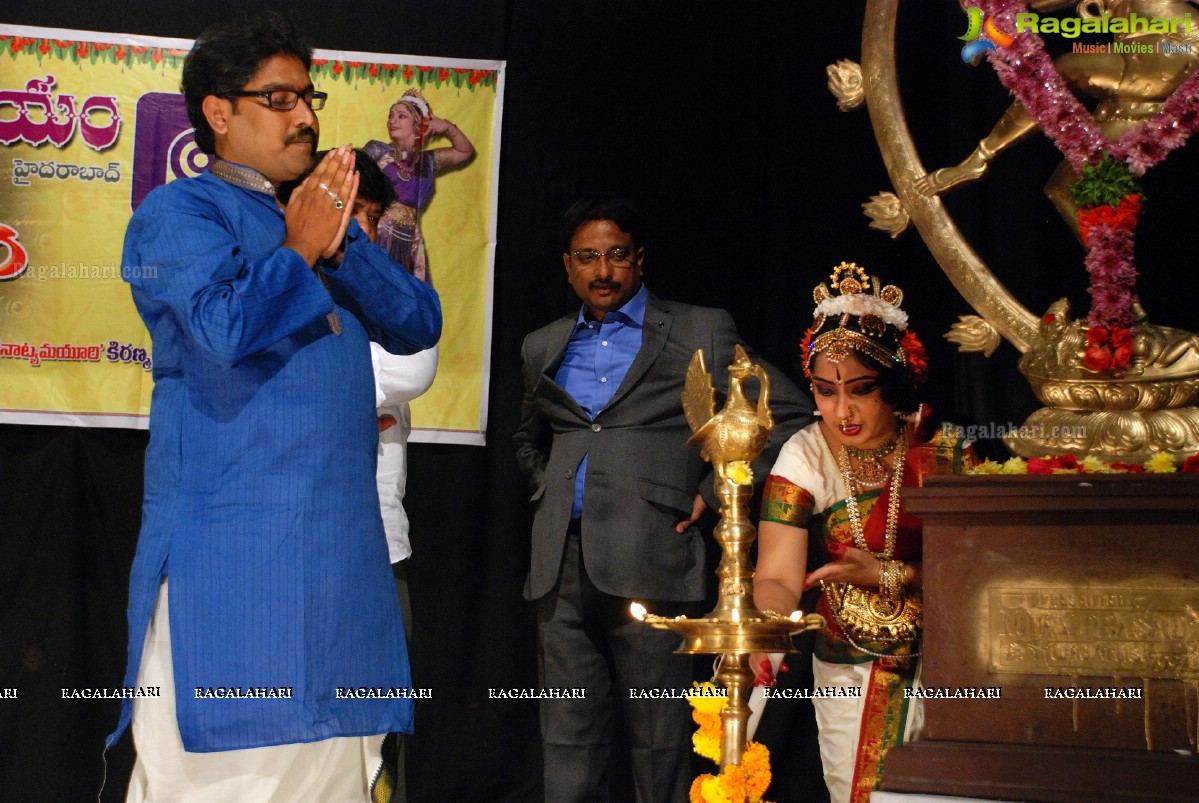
716	118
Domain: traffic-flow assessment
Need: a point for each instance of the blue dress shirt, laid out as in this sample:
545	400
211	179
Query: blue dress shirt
597	357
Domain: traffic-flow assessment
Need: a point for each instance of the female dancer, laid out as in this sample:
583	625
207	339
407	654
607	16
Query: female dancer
411	170
840	481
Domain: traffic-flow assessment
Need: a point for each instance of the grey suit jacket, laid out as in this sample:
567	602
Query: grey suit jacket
641	477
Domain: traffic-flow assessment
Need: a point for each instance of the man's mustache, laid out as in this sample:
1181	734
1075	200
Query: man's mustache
598	283
303	135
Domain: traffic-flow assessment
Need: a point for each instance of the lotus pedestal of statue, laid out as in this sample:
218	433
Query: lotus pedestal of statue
1128	417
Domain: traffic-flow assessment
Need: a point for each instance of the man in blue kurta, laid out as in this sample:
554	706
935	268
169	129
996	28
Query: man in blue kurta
261	527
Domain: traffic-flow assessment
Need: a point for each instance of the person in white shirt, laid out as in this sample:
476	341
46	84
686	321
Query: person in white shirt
398	380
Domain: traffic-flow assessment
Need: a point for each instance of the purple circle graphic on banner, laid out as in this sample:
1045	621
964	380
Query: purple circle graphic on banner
184	159
164	146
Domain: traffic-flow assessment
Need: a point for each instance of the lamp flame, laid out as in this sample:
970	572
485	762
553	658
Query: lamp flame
795	616
638	611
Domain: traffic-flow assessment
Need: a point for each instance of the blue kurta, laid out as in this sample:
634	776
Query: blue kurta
260	499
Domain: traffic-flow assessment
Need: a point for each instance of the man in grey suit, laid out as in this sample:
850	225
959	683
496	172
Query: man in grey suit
617	494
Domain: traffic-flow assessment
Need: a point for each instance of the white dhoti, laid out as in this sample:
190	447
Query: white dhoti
336	770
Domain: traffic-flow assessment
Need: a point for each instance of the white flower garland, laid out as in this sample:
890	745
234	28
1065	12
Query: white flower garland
862	304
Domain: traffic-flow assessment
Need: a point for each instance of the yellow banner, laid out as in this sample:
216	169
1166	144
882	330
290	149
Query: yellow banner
91	122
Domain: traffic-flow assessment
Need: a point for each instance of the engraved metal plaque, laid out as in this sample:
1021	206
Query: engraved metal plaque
1105	631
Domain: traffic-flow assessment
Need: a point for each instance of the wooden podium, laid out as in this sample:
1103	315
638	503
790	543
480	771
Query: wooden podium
1077	597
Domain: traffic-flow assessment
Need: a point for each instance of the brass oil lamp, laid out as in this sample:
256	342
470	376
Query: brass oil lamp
730	440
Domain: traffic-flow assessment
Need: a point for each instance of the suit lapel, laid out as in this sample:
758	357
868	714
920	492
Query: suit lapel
654	334
556	338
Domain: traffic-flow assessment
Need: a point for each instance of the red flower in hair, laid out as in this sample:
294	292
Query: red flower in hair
1190	465
805	348
917	362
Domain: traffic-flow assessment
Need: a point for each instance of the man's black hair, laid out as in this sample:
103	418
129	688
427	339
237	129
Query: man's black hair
620	211
373	184
227	55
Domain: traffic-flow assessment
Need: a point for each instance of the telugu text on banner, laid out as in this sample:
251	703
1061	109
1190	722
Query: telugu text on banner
91	122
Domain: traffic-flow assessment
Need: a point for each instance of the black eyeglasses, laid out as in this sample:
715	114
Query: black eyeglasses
618	256
284	100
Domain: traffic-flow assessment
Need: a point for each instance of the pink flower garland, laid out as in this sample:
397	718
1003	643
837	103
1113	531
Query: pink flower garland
1109	262
1027	71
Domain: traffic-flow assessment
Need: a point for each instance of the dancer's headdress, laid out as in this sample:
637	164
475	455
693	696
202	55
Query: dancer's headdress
414	97
856	312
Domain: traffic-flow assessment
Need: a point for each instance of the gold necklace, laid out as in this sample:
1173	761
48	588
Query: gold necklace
403	163
900	446
871	472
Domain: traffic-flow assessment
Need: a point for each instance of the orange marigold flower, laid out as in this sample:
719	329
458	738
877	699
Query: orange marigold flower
756	763
733	785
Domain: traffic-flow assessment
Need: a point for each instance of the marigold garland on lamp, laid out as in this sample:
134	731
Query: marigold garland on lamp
744	782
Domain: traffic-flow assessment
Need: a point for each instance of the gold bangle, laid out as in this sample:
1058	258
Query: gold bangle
892	577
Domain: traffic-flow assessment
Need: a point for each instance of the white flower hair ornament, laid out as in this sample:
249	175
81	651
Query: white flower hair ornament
864	315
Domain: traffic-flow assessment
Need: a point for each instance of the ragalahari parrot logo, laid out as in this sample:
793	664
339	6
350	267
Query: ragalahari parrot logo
981	36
